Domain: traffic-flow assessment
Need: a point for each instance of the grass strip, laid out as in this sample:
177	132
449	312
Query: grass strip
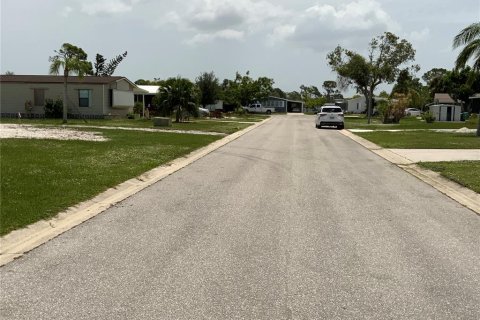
422	140
465	173
40	178
405	123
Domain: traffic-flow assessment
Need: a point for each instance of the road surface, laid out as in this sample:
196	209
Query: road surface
286	222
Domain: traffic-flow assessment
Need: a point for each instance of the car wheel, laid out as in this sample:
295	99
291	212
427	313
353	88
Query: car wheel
269	112
340	127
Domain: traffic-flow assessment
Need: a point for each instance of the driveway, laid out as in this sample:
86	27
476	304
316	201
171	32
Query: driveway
286	222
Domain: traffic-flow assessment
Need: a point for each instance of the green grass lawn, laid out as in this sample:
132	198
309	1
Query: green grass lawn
422	139
405	123
465	173
214	125
40	178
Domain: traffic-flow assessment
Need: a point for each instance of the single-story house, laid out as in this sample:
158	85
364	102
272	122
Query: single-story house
147	95
359	104
283	105
88	97
446	112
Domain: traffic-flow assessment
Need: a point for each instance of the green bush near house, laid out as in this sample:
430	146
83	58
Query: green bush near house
428	117
53	109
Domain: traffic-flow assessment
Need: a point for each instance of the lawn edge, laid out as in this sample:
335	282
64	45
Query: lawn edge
465	196
18	242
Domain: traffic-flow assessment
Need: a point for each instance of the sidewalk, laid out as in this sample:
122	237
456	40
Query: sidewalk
406	159
435	155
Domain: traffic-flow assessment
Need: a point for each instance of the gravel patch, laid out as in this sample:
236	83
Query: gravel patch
57	133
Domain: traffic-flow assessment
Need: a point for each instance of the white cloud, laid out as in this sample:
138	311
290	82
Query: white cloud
281	33
227	34
215	19
355	23
417	36
66	11
93	7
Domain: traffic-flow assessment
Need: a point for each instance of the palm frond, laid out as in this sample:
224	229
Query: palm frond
471	49
467	35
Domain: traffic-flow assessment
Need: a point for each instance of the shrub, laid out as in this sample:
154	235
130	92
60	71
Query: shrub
138	107
428	117
53	109
393	110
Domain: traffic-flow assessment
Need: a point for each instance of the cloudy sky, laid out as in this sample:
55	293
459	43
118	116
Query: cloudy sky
286	40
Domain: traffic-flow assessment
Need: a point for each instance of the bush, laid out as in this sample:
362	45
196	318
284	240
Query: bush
393	110
53	109
138	107
428	117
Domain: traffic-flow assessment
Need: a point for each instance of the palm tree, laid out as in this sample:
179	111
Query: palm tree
470	39
73	60
178	95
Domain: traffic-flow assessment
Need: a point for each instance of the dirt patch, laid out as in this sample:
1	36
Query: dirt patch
57	133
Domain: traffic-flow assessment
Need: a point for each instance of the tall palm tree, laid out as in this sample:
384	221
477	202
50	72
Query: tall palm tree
73	60
470	39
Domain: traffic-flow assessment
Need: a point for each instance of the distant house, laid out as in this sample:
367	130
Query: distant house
283	105
88	97
146	97
359	104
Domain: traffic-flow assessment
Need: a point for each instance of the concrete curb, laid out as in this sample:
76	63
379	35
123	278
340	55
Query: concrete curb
18	242
462	195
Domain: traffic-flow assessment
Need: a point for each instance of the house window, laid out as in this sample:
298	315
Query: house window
84	98
38	97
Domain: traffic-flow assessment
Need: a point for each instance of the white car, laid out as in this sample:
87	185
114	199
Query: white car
202	112
330	116
413	112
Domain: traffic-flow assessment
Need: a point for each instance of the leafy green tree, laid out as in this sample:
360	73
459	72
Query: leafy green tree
143	82
470	39
415	94
279	93
433	74
329	86
208	87
387	53
177	95
311	96
103	69
73	60
243	90
460	84
294	95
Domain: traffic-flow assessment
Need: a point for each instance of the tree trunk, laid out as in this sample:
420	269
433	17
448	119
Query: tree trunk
368	101
65	107
478	124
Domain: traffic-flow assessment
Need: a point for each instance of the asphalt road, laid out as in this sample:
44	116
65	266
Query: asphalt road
286	222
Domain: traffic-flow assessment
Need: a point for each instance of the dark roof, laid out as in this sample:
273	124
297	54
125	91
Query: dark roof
58	79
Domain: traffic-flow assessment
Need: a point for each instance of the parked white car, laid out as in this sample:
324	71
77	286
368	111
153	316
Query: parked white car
202	112
413	112
330	116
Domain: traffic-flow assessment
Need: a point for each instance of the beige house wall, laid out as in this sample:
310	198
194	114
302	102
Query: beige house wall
13	96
